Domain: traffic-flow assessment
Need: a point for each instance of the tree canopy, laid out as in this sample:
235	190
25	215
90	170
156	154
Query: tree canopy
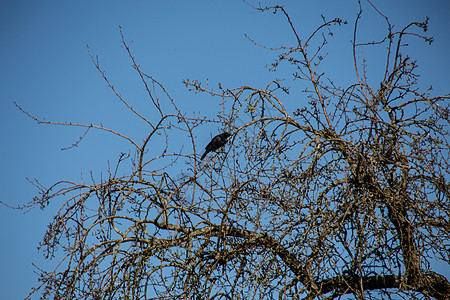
348	194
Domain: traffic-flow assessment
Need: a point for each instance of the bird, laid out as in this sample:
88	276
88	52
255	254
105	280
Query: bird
216	143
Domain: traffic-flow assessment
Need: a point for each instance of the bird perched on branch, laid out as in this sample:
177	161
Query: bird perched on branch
216	143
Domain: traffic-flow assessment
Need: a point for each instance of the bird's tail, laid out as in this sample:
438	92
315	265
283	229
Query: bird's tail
203	156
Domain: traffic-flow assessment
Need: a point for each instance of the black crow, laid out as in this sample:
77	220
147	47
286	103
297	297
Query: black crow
216	143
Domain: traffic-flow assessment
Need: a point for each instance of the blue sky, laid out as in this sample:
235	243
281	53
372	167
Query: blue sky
45	67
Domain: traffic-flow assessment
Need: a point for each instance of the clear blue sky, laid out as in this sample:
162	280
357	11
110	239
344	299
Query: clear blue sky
45	67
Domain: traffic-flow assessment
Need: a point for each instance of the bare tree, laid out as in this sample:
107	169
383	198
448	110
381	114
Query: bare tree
347	195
